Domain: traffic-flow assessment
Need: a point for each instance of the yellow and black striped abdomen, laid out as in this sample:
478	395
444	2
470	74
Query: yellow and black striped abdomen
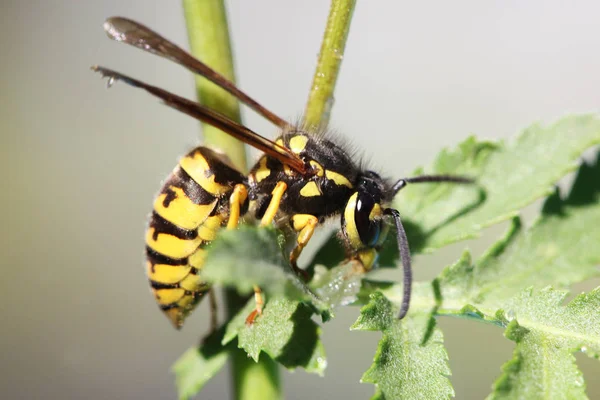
190	208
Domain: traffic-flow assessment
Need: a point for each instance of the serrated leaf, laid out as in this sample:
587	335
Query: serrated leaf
248	257
251	256
197	366
410	362
513	175
547	333
560	249
285	331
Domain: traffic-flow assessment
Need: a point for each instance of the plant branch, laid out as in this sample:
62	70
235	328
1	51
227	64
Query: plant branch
320	99
208	33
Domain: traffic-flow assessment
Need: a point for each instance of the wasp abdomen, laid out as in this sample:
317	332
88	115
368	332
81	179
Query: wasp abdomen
187	213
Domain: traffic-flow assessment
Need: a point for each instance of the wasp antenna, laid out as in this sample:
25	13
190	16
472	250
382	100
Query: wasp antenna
431	178
406	262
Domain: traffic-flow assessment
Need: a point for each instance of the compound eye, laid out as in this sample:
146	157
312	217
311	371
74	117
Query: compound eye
366	217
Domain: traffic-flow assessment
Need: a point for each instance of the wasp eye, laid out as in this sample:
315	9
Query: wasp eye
368	225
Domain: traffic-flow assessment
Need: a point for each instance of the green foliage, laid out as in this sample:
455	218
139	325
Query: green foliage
285	331
560	249
199	364
403	367
518	284
547	334
511	176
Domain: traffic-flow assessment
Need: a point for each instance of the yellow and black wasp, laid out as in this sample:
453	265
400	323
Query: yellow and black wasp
302	179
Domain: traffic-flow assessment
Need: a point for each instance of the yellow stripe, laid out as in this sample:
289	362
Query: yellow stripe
197	167
280	142
193	283
168	296
351	230
167	273
196	260
185	302
170	245
182	211
298	143
208	230
338	178
310	189
262	172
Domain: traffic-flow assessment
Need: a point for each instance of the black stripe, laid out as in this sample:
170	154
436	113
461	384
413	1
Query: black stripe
224	173
160	285
161	225
192	189
156	258
166	307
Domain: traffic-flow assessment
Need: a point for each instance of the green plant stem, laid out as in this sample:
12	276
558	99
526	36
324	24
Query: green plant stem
320	99
208	33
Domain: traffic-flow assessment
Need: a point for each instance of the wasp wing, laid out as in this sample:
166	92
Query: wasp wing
135	34
213	118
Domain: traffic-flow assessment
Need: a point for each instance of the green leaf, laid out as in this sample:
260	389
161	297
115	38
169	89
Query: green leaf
410	362
512	175
197	366
438	214
560	249
285	331
251	257
547	334
339	285
248	257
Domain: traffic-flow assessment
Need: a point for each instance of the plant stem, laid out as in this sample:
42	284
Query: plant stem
320	99
208	33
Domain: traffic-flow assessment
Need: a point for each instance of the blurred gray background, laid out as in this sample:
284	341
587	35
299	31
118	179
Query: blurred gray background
82	164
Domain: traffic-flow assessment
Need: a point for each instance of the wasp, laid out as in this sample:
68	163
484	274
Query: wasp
302	179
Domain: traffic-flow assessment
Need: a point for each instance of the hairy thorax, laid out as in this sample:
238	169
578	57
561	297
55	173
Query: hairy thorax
323	193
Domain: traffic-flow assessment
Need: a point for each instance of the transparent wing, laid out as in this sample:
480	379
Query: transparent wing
213	118
135	34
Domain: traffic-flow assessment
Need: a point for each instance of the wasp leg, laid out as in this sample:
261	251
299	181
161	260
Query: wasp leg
213	310
273	207
305	225
259	306
236	200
